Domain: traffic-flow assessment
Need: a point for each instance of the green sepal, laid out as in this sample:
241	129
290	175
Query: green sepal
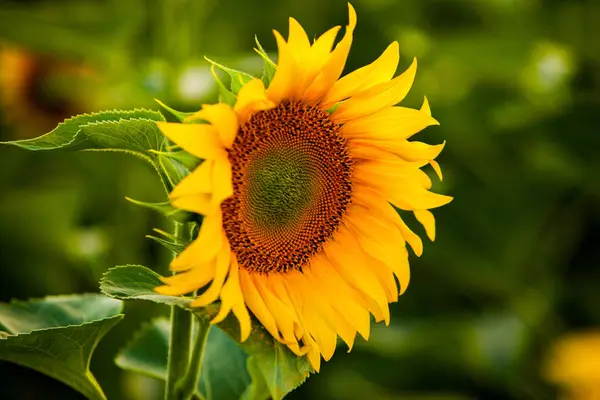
238	78
334	107
281	370
269	66
179	115
167	235
165	209
183	157
225	95
173	169
57	336
172	246
223	371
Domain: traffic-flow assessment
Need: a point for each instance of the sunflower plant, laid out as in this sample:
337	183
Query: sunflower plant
287	198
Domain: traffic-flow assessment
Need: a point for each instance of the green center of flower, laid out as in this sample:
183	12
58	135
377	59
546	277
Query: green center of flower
280	187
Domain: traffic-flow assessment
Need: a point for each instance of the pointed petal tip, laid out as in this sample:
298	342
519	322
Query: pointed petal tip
351	16
166	290
245	332
413	65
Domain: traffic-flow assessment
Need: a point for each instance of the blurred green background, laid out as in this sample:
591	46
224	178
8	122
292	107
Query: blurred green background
514	83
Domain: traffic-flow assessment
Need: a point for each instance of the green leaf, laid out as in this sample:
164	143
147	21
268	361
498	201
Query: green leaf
66	134
281	370
138	137
165	209
223	372
259	389
128	282
135	136
179	115
57	336
135	132
238	78
269	66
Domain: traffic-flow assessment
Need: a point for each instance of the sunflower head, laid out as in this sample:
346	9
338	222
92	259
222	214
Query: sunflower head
573	364
302	189
28	100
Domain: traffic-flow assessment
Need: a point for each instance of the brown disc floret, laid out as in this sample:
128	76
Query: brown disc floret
291	182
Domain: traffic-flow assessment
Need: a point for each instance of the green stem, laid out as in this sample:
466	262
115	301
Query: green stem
187	386
179	344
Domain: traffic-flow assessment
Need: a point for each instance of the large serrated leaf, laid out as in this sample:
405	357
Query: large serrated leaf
57	336
281	370
66	134
137	135
223	372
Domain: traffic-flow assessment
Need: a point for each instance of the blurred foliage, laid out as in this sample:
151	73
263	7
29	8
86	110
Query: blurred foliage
514	83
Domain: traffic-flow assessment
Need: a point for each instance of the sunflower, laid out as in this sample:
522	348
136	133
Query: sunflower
298	189
573	365
27	100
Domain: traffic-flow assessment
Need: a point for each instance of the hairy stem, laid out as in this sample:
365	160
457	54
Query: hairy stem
187	386
179	344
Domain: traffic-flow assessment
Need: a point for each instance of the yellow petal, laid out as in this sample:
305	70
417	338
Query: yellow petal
377	97
437	169
426	219
392	123
283	83
386	278
200	203
201	140
222	117
406	191
232	299
334	66
314	356
341	296
345	254
222	181
311	314
187	282
313	60
379	71
210	240
408	151
257	305
298	40
332	318
394	255
425	107
389	174
389	214
283	314
198	181
211	294
251	98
